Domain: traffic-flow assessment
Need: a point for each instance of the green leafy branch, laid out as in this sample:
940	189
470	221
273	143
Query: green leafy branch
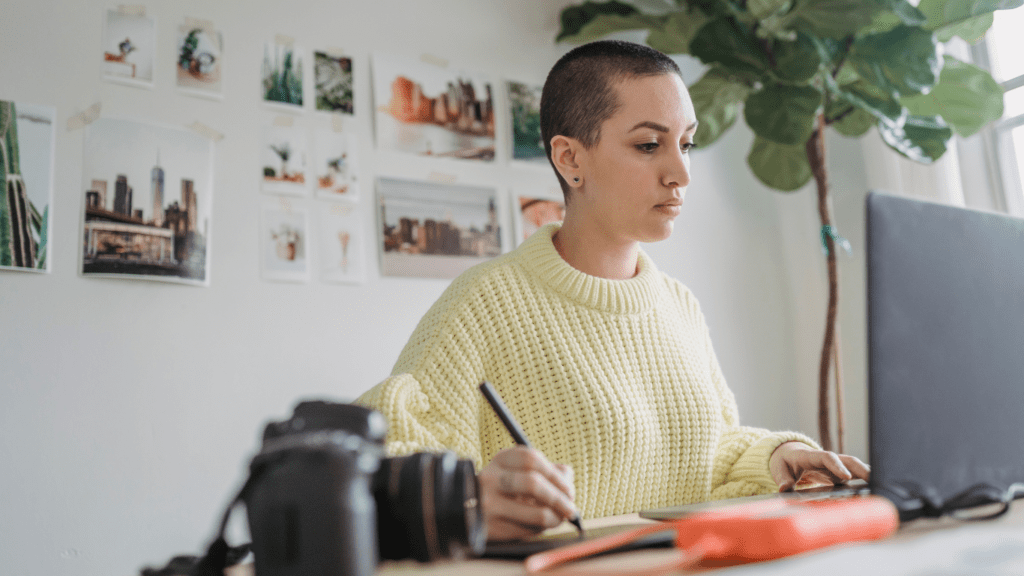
862	63
796	67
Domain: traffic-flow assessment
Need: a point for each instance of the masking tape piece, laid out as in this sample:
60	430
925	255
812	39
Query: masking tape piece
435	60
204	25
341	209
285	121
90	115
131	10
442	178
284	40
205	130
337	122
334	52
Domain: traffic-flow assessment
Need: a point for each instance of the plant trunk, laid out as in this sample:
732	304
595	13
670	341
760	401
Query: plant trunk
830	346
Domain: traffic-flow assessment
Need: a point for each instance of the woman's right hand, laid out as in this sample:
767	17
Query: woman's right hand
522	493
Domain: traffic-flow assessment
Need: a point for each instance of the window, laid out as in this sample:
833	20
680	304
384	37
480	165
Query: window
1001	52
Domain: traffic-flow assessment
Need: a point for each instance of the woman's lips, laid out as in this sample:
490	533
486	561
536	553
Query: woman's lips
670	208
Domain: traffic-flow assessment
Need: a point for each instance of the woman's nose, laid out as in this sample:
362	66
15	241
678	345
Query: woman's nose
677	173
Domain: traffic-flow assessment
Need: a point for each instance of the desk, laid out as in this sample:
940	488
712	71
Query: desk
943	547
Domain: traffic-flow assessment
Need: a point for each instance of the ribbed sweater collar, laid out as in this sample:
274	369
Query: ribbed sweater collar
541	259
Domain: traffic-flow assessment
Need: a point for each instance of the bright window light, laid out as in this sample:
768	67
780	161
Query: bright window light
1006	44
1013	103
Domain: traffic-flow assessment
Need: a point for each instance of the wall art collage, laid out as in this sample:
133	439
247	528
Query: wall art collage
147	188
309	167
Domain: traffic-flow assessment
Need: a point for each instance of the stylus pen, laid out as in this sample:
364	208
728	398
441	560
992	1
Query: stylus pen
513	428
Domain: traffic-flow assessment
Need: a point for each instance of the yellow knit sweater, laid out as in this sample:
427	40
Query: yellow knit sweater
616	378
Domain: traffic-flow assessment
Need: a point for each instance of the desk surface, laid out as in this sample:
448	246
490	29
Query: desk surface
943	547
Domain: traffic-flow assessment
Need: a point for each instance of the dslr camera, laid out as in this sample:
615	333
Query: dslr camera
323	499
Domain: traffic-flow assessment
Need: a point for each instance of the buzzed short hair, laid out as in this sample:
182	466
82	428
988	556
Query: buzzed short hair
579	93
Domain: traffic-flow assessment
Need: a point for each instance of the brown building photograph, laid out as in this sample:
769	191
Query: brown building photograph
147	198
428	110
435	230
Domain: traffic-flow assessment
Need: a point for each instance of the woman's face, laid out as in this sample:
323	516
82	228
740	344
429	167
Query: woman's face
634	179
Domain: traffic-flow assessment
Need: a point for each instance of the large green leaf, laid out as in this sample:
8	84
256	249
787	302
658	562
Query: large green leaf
726	42
903	61
966	97
967	19
677	32
906	12
779	166
971	30
869	98
761	9
605	24
796	61
920	138
884	21
716	99
830	51
850	120
592	20
783	113
775	26
864	97
831	18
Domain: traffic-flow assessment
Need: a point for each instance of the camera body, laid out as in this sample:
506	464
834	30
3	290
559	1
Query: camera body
323	498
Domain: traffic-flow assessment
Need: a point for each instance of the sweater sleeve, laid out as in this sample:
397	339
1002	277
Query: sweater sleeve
423	419
431	400
741	459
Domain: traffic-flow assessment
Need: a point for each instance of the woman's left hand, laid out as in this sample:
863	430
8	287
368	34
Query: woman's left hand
795	461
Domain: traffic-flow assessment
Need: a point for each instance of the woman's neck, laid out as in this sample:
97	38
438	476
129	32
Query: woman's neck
592	252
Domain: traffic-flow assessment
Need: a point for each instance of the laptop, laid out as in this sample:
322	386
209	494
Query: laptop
946	360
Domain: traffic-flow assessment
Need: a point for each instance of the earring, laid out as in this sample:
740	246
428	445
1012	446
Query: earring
576	179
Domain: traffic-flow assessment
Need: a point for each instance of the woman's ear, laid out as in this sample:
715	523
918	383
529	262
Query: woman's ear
566	156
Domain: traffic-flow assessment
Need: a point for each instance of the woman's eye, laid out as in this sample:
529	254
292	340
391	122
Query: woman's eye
687	146
647	147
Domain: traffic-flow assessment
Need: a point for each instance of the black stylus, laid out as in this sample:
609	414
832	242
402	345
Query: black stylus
513	428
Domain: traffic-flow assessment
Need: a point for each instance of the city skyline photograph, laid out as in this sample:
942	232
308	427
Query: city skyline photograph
148	192
435	230
430	110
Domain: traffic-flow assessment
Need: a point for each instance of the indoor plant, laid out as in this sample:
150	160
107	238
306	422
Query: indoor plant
796	67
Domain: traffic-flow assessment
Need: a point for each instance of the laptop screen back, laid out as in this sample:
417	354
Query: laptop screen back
945	345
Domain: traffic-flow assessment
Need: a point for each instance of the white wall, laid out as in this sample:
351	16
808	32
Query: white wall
128	410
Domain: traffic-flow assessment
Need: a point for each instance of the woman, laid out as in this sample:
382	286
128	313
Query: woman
606	362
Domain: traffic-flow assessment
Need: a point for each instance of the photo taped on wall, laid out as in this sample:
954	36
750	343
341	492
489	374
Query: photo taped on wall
435	230
148	192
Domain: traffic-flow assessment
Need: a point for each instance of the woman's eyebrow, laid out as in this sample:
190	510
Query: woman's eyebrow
659	127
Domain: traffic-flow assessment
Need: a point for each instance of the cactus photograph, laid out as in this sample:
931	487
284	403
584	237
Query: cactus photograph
26	167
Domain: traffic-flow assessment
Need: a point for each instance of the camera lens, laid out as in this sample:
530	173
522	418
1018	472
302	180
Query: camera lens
428	507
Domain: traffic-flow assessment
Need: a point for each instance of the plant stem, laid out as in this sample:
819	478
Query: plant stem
816	159
837	363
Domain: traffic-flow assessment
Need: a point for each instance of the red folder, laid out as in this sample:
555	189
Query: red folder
754	532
